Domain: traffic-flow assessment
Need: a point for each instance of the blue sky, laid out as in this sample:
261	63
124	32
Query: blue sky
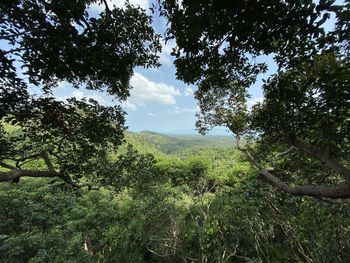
158	101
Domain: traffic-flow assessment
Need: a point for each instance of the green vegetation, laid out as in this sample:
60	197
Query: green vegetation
76	187
206	204
305	112
156	143
48	43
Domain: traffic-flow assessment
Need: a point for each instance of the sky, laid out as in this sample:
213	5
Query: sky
158	102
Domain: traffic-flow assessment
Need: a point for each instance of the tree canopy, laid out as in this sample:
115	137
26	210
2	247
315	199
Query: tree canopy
305	112
182	199
45	43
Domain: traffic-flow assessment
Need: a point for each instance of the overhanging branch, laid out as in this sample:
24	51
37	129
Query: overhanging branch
323	156
6	165
15	172
341	190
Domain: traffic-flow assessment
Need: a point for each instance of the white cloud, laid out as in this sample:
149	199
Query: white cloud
165	57
127	105
145	90
79	94
179	110
253	101
188	91
152	114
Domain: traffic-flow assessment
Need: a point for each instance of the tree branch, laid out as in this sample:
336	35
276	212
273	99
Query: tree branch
341	190
108	11
16	173
282	154
28	157
286	152
6	165
47	161
332	201
10	37
322	156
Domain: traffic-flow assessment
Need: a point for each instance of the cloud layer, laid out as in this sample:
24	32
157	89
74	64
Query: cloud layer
145	91
80	94
179	110
188	91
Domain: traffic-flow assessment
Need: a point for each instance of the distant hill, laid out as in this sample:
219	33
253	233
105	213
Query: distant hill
157	143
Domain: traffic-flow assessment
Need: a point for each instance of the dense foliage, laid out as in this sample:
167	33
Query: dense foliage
178	209
222	47
160	198
45	43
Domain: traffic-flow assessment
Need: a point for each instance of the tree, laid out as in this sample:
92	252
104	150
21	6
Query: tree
45	43
305	113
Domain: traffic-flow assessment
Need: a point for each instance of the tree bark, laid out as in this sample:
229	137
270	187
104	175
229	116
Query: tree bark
341	190
15	173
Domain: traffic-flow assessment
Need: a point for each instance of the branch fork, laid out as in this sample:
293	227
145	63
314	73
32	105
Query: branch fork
16	172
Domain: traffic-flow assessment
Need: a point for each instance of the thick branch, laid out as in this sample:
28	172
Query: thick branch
47	161
16	173
27	157
6	165
322	156
40	154
341	190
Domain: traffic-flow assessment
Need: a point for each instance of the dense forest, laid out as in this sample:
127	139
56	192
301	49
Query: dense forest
198	203
77	186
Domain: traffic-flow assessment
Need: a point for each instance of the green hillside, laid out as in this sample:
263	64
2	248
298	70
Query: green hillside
157	143
270	78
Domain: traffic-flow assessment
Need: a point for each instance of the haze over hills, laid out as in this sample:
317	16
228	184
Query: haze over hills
216	131
152	142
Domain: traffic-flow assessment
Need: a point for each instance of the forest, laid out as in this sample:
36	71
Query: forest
77	186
